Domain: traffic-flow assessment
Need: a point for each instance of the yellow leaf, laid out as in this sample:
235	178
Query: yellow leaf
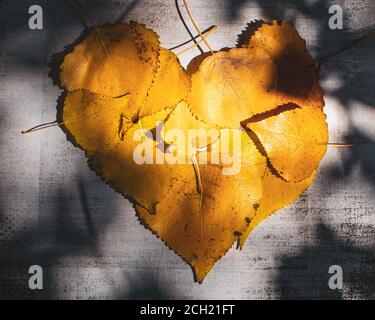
294	141
187	133
127	97
93	121
231	86
114	60
228	87
202	230
297	76
100	127
171	85
277	194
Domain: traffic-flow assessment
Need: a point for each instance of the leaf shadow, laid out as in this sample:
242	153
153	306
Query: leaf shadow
128	10
145	285
49	241
57	59
305	275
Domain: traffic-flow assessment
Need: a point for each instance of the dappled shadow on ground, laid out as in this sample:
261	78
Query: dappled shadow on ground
305	275
67	232
144	285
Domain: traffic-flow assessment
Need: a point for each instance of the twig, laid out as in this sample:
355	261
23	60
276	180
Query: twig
207	31
186	26
196	26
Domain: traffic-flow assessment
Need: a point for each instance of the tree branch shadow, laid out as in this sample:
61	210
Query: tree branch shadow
48	243
305	275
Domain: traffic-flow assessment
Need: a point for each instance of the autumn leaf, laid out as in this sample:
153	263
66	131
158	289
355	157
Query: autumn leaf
114	60
129	83
186	124
296	73
277	194
294	141
171	85
108	140
128	96
202	229
274	69
168	199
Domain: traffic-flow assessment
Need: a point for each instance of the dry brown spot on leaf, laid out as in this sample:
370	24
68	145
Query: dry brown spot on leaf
277	194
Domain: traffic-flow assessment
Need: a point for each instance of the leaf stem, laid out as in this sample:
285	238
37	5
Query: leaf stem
207	31
197	43
196	26
143	134
55	124
42	126
346	145
199	189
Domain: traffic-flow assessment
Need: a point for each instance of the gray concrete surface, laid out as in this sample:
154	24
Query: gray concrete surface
56	213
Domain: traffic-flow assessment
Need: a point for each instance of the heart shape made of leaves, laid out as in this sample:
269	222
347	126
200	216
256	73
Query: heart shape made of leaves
119	80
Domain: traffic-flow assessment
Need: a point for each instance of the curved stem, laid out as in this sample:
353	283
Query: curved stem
186	26
55	124
197	43
196	26
199	189
207	31
42	126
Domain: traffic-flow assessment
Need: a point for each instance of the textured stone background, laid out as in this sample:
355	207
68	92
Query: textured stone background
56	213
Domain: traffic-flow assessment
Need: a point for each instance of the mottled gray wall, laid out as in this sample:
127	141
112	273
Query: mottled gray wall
57	213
